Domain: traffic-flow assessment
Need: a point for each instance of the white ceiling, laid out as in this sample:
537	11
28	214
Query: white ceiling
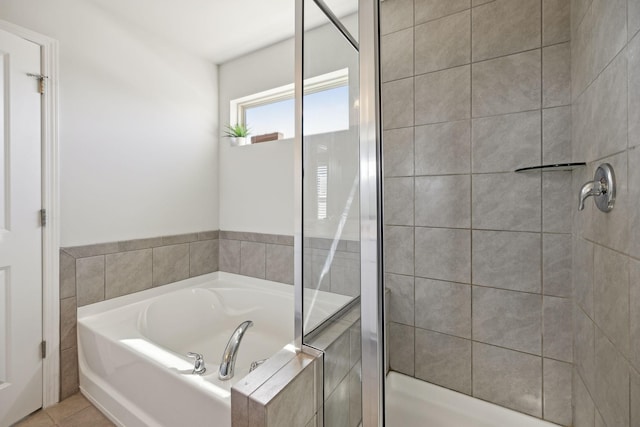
217	30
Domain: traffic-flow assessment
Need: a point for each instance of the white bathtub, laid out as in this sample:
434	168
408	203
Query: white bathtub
415	403
132	350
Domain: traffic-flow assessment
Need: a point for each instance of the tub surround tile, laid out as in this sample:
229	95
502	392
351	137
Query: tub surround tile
428	10
345	275
556	75
137	244
557	391
507	260
69	379
556	25
443	43
443	360
612	383
507	85
128	272
229	255
67	275
508	378
583	274
401	299
440	96
442	148
504	27
398	201
209	235
395	15
556	264
584	347
396	55
253	259
557	329
398	250
507	142
440	201
179	238
634	312
443	307
451	261
68	320
507	319
397	100
90	280
397	145
203	257
170	264
336	407
558	201
556	135
279	263
401	348
92	250
583	406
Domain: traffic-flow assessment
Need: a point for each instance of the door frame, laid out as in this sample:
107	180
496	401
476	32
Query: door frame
50	202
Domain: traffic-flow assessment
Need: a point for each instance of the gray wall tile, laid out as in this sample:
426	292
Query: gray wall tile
401	300
508	378
558	201
336	363
443	307
395	15
398	201
443	43
398	250
504	27
556	75
508	319
558	330
634	202
557	392
179	238
203	257
612	383
507	85
68	372
442	201
505	143
443	254
68	318
170	264
229	251
67	275
127	272
90	280
611	296
633	59
556	264
401	348
633	17
634	398
279	259
584	347
583	407
443	360
583	274
507	260
398	152
428	10
506	202
253	259
556	135
443	148
442	96
345	275
634	311
397	103
396	55
556	26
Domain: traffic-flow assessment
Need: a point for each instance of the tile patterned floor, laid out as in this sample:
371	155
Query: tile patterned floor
75	411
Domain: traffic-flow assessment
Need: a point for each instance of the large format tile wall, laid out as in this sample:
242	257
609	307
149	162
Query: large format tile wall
477	257
605	66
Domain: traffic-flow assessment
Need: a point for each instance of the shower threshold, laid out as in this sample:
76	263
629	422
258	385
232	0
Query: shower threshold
414	403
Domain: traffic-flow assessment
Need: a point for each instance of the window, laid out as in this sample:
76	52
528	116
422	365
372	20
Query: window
273	111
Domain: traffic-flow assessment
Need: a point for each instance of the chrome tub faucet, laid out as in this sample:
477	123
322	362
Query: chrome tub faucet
231	351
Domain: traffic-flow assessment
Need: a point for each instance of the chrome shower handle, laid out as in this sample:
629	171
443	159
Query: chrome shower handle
602	189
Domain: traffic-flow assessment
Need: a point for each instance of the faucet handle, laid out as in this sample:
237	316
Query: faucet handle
198	365
602	189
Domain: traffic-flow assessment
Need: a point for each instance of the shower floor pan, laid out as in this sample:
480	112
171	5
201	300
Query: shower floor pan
415	403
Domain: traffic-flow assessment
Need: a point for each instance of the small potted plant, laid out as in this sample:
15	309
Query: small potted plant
238	134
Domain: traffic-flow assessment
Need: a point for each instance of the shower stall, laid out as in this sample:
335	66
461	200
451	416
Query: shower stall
443	213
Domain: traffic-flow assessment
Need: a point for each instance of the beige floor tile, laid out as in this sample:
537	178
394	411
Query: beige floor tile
68	407
88	417
37	419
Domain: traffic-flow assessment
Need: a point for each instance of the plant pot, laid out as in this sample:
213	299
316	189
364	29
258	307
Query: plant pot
239	140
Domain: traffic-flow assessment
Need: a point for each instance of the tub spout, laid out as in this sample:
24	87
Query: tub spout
231	351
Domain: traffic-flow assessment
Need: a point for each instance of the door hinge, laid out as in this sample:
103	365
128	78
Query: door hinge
41	78
43	349
43	217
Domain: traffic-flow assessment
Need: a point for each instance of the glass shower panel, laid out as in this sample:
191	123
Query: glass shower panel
330	144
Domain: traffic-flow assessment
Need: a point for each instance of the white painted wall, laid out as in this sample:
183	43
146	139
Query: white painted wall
138	125
256	181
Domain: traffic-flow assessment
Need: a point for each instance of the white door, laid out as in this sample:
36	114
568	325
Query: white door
20	230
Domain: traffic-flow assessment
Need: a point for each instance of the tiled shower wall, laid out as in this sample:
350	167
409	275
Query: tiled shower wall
605	67
477	257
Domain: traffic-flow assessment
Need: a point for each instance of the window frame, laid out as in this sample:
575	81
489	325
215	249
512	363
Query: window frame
238	106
